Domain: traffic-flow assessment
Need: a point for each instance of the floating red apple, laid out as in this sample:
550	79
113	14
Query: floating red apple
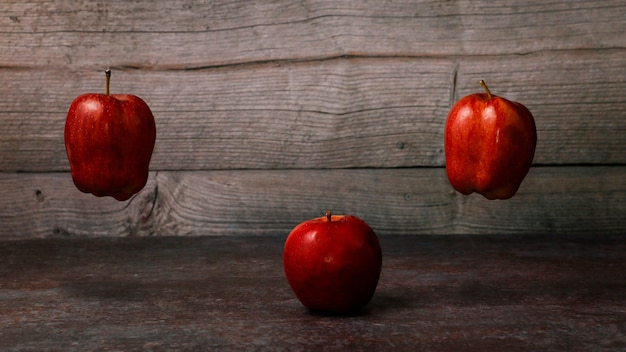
489	145
109	141
333	263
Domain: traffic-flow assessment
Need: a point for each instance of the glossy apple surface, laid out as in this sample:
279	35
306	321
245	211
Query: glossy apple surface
109	141
333	263
489	145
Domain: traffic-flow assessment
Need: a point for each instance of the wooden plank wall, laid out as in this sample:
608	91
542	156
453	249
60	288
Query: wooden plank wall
272	112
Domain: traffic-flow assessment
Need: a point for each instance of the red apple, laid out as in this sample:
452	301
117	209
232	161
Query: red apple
489	145
333	263
109	141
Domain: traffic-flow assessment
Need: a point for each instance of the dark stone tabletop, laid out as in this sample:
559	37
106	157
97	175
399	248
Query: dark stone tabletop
436	293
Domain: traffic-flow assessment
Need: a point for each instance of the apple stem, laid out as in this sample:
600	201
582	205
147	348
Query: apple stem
484	85
107	73
328	216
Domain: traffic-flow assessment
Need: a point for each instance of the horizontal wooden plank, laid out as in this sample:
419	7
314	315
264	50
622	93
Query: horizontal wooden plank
328	114
577	100
555	200
340	113
184	34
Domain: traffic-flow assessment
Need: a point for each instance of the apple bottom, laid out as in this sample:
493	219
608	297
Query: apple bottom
344	291
114	178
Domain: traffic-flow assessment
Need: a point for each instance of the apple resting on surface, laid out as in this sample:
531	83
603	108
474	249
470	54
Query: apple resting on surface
489	145
109	141
333	263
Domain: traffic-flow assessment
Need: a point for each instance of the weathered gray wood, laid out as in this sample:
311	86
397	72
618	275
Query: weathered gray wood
283	96
577	100
340	113
184	34
336	113
557	200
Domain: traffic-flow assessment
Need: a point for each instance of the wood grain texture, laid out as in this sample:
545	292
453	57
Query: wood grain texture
556	200
337	113
191	34
268	111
